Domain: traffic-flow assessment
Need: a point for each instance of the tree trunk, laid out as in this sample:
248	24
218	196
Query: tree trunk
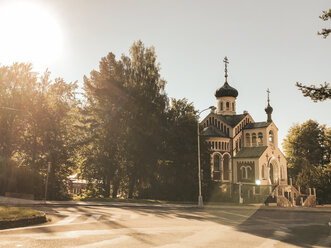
131	187
115	188
106	187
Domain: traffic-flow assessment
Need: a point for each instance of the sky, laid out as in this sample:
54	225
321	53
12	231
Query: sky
270	44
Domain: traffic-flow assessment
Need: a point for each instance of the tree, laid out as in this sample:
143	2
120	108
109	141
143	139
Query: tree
104	125
137	144
324	91
176	174
307	149
36	123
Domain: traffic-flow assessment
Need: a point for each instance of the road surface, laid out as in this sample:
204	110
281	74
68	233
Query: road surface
166	227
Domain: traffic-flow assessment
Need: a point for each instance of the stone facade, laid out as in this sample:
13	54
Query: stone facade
244	153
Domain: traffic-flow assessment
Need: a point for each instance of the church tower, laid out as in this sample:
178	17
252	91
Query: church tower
226	95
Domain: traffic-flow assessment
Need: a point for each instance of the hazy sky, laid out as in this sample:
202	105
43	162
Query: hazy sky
270	44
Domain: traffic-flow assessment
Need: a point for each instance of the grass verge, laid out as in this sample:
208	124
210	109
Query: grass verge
17	216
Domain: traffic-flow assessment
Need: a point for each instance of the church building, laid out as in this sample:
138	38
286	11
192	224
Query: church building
245	156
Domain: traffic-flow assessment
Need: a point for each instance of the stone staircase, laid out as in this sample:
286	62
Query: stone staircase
289	196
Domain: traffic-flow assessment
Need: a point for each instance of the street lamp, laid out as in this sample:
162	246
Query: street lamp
200	202
46	183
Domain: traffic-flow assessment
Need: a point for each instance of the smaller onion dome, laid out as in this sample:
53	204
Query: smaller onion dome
226	90
268	109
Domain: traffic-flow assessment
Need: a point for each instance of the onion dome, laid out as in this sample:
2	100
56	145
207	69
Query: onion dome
268	109
226	90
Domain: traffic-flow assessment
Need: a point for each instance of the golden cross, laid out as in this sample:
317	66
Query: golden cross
226	62
268	91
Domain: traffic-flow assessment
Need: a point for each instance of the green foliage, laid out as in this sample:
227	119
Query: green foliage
124	138
323	92
307	149
36	123
326	16
17	213
137	145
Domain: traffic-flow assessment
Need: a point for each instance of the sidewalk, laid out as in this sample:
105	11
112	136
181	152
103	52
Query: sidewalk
24	202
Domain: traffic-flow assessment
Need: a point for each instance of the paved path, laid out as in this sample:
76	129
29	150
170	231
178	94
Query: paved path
108	226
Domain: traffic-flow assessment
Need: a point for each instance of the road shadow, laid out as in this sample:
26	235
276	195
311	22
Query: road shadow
304	229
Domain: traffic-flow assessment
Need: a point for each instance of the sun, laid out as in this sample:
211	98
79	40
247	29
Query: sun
29	33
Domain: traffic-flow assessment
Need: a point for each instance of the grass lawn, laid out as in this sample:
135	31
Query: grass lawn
17	213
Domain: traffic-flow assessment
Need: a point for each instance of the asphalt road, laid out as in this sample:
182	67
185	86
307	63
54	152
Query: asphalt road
109	226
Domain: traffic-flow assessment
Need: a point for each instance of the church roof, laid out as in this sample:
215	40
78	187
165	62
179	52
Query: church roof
226	90
232	120
251	152
212	131
257	125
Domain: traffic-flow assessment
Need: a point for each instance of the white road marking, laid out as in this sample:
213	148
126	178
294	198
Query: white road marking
68	219
93	218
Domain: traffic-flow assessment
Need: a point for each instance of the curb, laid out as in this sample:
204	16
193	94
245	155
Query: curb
22	222
206	207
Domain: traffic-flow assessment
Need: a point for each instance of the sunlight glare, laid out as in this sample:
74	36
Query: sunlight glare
29	33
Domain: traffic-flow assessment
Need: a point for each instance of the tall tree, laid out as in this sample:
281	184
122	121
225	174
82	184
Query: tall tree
144	115
307	151
104	123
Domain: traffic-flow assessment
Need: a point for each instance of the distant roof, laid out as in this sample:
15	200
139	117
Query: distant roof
257	125
232	120
212	131
251	152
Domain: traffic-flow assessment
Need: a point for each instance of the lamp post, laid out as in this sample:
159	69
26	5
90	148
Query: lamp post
200	201
46	183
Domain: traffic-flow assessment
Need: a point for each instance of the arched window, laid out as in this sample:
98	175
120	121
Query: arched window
271	136
262	171
240	143
222	127
207	123
226	169
243	172
227	106
281	172
260	139
254	139
218	125
212	144
221	105
248	171
216	162
237	148
233	106
248	139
